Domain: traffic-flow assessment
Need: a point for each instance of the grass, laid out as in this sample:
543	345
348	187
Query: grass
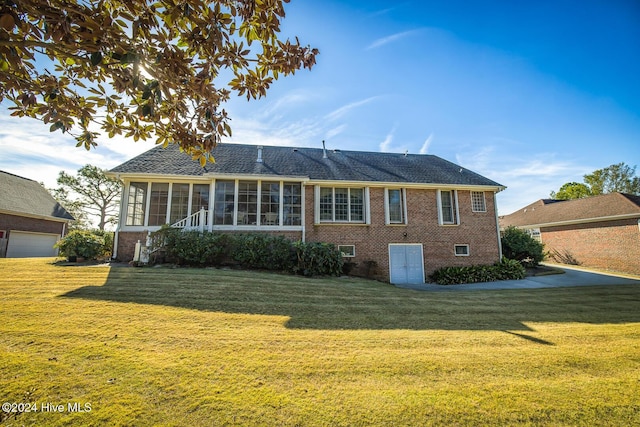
178	347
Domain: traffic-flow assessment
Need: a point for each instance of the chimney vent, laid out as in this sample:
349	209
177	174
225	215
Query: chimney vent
324	150
259	154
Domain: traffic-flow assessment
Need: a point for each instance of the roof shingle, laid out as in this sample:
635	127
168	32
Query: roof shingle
353	166
549	211
22	195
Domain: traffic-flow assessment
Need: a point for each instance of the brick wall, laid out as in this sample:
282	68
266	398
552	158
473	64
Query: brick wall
21	223
613	245
478	230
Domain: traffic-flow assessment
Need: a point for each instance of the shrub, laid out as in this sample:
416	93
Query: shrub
194	248
519	245
82	243
263	251
508	269
317	259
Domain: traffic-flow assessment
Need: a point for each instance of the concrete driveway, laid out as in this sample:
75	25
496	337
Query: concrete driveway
571	277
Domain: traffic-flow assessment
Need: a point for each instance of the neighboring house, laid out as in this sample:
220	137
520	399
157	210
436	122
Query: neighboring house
405	214
600	231
31	221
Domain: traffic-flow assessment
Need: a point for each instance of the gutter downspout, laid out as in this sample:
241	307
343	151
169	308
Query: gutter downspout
495	208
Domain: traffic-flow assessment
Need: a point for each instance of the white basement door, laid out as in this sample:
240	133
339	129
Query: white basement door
24	245
406	264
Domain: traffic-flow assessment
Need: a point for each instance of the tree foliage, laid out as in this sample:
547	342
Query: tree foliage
571	190
91	191
618	177
142	68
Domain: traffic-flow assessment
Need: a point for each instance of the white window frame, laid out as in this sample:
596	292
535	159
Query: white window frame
366	217
456	210
403	207
460	245
534	233
476	202
350	254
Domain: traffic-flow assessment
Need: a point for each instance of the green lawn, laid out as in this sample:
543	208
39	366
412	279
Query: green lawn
195	347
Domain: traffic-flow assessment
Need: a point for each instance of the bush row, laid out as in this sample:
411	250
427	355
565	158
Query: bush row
508	269
250	251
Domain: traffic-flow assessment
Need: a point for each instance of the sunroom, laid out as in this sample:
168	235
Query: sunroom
215	204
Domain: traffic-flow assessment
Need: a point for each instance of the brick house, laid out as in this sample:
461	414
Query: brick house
407	215
31	221
600	231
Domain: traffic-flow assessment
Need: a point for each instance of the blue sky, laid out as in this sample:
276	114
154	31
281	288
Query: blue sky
529	94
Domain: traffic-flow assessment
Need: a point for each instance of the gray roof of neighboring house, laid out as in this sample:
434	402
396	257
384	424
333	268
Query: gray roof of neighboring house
358	166
24	196
550	211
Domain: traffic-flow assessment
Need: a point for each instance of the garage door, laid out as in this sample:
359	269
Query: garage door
406	264
23	244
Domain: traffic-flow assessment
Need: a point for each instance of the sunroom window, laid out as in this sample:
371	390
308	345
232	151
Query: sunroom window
137	203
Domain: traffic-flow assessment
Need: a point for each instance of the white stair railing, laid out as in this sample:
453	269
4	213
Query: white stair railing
196	221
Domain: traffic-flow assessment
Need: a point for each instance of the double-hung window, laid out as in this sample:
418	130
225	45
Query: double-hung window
341	204
395	207
448	207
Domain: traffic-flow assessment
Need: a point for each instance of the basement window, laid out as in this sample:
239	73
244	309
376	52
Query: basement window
461	250
347	251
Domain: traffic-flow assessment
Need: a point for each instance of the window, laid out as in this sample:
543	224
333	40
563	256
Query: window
341	204
200	197
461	250
179	202
247	202
158	203
535	233
347	251
448	209
137	203
270	203
224	203
477	201
292	204
395	206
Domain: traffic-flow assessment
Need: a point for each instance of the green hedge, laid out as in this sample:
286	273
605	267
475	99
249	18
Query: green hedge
250	251
86	244
508	269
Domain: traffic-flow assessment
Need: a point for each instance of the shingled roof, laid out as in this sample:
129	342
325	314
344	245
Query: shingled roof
353	166
22	196
549	211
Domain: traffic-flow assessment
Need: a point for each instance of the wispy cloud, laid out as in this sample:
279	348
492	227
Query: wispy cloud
392	38
385	145
340	112
427	143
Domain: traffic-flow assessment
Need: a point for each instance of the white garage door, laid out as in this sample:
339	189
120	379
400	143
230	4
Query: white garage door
23	244
406	264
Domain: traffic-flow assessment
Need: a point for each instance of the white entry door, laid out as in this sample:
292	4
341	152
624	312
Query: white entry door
406	264
23	244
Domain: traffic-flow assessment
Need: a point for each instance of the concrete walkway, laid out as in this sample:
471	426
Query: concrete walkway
571	277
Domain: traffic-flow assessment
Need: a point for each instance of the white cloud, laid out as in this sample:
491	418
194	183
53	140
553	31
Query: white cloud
389	39
340	112
386	144
427	143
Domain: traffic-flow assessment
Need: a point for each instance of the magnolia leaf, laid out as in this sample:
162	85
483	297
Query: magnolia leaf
96	58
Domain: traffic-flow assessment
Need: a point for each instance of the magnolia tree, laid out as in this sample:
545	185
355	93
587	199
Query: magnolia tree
142	69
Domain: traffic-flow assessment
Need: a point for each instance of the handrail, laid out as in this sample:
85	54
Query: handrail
196	221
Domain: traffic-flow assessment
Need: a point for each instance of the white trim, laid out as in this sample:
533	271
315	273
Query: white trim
495	209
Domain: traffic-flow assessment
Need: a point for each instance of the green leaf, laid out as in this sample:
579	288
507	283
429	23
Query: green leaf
96	58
